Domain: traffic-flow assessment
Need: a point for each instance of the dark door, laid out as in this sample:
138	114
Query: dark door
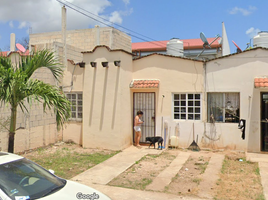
145	101
264	122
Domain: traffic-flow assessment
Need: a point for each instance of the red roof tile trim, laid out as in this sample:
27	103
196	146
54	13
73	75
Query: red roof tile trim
8	53
261	82
162	45
148	83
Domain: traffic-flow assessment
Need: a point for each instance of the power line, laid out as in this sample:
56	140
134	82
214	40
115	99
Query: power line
77	9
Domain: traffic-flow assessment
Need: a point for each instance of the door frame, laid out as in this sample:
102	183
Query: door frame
262	147
134	114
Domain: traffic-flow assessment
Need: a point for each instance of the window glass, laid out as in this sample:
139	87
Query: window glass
187	106
76	100
223	107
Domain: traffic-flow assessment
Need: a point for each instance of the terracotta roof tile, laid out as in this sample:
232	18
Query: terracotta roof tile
147	83
162	45
261	82
8	53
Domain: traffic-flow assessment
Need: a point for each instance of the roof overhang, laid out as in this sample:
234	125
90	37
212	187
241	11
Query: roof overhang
261	82
144	83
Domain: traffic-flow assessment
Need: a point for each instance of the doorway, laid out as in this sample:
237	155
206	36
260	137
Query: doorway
264	122
145	101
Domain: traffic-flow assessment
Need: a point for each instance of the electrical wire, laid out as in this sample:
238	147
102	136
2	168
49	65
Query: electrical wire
78	9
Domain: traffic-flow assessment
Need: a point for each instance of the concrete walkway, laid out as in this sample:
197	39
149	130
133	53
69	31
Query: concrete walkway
101	174
117	193
106	171
210	176
262	159
165	177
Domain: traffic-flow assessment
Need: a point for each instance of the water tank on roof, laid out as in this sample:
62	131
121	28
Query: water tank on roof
175	47
261	40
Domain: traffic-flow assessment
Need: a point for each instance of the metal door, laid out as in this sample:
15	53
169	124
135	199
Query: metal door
264	122
145	101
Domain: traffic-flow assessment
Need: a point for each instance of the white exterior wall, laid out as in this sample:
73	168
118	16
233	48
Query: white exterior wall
236	74
176	75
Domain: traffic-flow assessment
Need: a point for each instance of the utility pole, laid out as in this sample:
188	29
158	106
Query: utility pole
63	31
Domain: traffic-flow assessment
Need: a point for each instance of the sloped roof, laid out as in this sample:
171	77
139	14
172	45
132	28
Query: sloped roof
233	54
165	55
8	53
162	45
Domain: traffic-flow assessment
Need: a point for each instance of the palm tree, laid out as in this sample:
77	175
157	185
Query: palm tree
18	88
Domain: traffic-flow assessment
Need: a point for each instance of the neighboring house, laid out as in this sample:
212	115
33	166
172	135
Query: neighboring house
80	40
36	128
237	87
190	48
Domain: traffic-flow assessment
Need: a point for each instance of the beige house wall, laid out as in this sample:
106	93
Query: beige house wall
107	100
236	74
176	75
72	82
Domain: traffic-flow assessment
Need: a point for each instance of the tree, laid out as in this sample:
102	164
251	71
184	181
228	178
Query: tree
18	88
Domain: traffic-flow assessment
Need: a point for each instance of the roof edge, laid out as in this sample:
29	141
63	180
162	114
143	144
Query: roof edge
108	48
185	58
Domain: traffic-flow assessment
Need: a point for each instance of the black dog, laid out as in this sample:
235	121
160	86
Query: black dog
154	140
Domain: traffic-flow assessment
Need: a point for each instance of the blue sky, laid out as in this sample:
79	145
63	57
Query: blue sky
156	19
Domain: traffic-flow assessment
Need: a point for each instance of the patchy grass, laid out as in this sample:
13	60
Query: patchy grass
239	179
142	173
66	161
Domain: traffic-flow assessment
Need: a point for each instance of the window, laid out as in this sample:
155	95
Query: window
223	107
187	106
76	100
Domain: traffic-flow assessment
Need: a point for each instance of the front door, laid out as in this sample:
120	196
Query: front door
264	121
145	101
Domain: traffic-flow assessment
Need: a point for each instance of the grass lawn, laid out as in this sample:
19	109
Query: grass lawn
68	161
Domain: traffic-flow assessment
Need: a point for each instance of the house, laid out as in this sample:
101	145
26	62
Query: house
190	48
236	87
204	98
179	95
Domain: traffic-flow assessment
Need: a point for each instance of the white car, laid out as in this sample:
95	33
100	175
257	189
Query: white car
22	179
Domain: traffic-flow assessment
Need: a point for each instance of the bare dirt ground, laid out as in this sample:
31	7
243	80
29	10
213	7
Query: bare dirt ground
143	171
187	180
51	149
239	179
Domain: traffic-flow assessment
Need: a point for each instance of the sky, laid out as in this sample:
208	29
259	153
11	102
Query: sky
144	20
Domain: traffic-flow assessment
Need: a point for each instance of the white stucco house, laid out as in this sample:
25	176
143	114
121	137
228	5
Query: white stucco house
184	95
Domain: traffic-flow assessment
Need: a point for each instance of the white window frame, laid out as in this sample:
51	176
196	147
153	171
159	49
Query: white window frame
77	110
223	109
187	107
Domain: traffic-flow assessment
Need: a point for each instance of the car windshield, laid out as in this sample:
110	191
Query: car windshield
23	178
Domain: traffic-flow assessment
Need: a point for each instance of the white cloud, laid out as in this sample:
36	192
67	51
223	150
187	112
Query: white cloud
243	11
115	18
126	1
45	16
11	24
22	25
251	32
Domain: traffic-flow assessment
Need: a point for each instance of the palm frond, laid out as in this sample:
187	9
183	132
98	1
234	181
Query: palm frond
52	98
41	59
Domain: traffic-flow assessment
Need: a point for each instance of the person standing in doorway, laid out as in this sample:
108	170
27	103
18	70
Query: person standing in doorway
137	128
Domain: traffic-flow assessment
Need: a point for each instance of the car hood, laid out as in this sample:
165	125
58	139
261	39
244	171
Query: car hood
73	190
